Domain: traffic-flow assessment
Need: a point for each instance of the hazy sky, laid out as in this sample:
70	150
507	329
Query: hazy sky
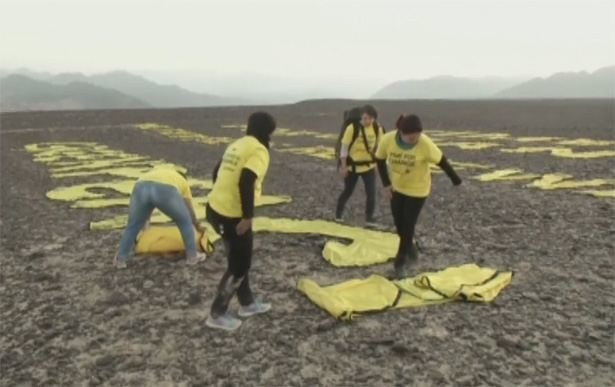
377	39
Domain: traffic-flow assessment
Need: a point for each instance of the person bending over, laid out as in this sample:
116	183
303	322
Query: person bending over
237	180
404	159
166	189
358	145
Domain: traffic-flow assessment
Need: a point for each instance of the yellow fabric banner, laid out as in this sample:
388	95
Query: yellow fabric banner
357	296
367	247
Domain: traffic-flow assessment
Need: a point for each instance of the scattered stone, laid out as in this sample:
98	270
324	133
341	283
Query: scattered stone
194	298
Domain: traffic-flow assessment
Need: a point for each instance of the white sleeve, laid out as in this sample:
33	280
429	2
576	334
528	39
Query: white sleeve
344	151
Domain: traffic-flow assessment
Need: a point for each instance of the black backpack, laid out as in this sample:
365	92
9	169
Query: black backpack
353	117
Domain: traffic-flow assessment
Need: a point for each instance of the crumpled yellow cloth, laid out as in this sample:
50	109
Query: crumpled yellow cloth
167	239
348	299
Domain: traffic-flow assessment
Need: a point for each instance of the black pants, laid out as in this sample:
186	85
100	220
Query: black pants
369	180
239	258
405	210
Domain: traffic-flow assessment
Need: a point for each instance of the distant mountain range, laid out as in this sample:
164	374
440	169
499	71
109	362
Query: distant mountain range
24	89
445	87
19	92
599	84
28	90
152	93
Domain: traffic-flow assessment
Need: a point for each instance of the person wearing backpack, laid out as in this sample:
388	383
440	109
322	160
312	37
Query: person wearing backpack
404	163
357	145
238	178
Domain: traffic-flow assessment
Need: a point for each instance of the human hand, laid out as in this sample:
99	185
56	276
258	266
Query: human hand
243	226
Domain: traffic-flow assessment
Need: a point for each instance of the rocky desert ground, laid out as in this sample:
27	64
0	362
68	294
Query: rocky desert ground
538	198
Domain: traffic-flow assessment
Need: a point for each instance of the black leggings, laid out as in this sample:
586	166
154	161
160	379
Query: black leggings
405	210
369	180
239	258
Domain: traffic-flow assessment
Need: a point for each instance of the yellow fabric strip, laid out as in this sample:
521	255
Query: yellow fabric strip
470	145
564	181
184	135
321	152
608	193
366	247
561	152
510	174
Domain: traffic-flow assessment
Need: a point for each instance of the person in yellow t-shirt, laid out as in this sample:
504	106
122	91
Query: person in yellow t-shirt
166	189
238	178
404	158
358	145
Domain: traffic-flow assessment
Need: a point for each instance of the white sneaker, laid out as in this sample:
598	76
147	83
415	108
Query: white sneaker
225	322
254	308
198	258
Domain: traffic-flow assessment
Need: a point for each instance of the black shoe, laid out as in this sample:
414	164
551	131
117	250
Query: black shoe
413	254
399	267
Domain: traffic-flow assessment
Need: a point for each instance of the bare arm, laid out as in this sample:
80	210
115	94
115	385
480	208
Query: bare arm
344	160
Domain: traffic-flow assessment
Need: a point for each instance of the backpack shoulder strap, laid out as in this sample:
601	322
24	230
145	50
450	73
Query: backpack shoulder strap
365	142
355	134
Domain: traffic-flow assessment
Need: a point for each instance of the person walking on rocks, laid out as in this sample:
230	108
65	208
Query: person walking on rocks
168	190
238	179
359	142
404	158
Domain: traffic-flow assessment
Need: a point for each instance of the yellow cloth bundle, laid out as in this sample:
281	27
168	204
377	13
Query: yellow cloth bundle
167	239
467	282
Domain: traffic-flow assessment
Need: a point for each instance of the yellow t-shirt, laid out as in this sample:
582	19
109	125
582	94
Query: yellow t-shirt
247	152
409	169
358	152
169	176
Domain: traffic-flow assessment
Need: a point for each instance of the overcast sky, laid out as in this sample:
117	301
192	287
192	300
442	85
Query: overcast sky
377	39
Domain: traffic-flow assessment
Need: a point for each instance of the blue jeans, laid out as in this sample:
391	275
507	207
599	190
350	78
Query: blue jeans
146	196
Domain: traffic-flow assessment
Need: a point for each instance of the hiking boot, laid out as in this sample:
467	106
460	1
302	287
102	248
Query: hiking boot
198	258
254	308
119	264
225	322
